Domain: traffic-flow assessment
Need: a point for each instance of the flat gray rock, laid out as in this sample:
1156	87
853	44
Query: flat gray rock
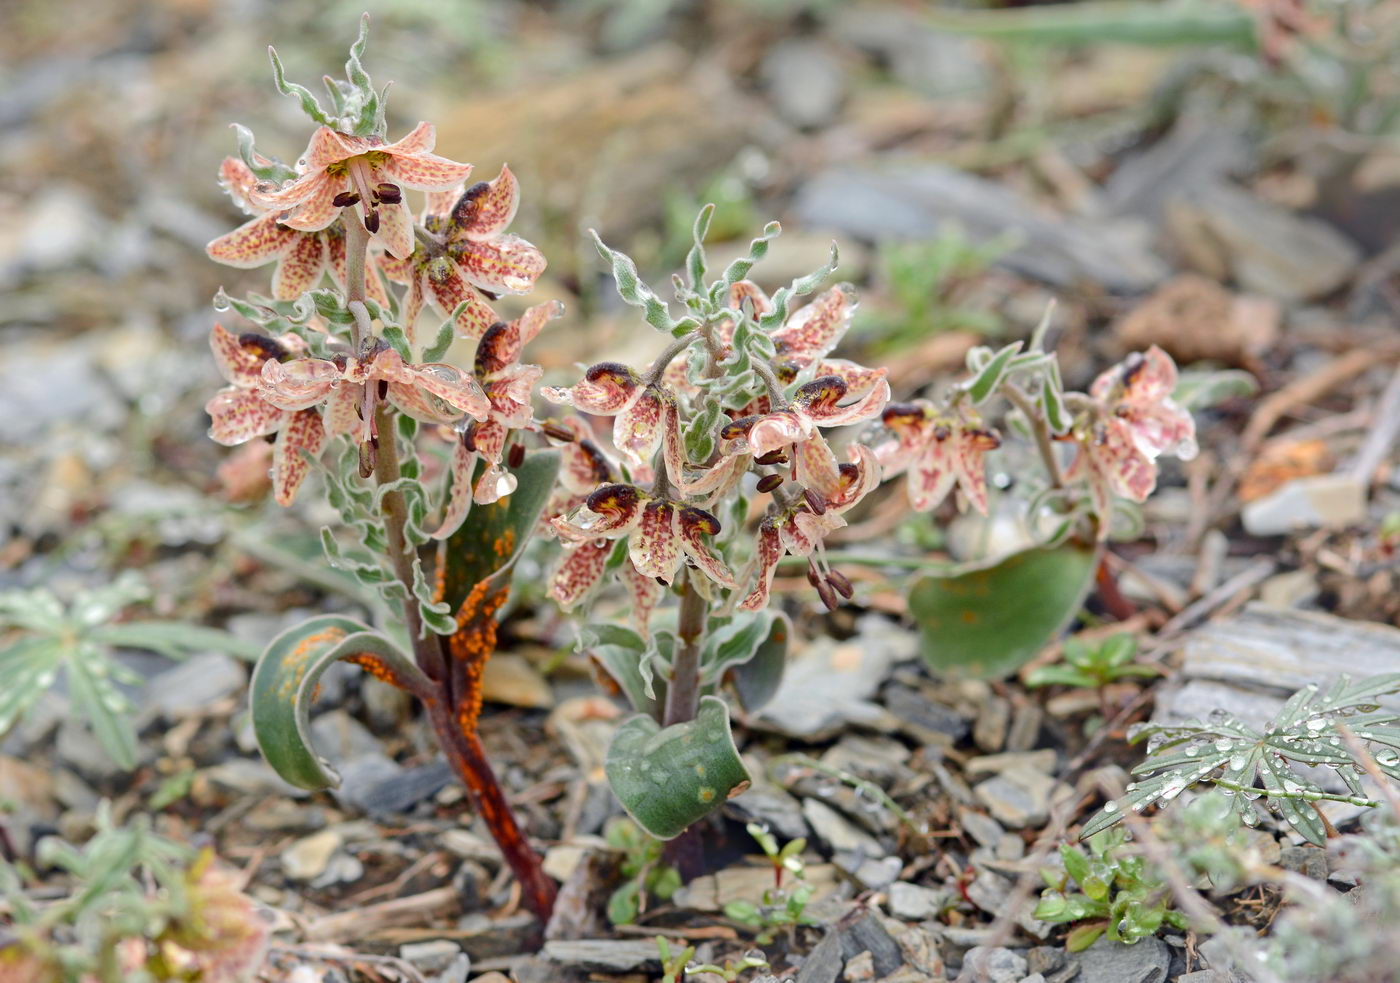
604	955
1145	961
915	202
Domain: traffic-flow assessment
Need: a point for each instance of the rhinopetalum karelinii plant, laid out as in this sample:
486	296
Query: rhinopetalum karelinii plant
726	453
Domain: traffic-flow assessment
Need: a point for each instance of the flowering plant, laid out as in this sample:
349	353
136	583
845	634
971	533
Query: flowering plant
729	454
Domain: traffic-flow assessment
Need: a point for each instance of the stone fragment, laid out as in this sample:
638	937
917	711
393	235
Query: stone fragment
1330	501
996	965
989	764
914	902
866	933
1106	961
806	82
838	832
192	685
305	859
604	955
1018	797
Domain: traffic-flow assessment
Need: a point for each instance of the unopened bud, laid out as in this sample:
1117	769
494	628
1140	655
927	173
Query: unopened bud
843	586
769	481
555	431
345	199
516	457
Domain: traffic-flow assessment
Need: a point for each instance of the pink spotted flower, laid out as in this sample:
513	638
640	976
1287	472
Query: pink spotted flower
473	257
241	411
938	450
1135	421
340	171
301	257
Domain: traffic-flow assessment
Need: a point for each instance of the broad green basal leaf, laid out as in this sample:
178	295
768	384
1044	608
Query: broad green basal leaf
493	536
751	652
285	679
668	778
988	620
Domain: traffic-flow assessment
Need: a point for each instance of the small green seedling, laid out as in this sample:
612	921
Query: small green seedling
1117	894
1090	665
647	876
780	907
673	966
729	972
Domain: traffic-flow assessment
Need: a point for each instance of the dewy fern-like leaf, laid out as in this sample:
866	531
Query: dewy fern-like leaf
1249	765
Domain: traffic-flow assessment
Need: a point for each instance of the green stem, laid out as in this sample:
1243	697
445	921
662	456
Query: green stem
1043	440
683	689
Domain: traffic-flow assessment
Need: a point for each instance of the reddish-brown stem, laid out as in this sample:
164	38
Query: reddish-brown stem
1111	596
468	760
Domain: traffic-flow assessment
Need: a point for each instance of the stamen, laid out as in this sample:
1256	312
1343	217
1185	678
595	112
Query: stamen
345	199
815	501
769	481
843	586
771	458
372	221
517	455
555	431
388	194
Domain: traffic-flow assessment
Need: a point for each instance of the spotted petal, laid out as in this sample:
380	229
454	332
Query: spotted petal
503	343
637	429
301	438
770	551
341	414
238	179
240	364
911	425
858	478
814	466
411	162
493	207
255	242
966	449
451	384
775	431
819	401
609	512
578	573
859	380
446	289
300	383
315	208
742	290
693	524
506	264
932	476
240	415
813	331
396	230
1142	377
606	389
300	267
459	500
656	546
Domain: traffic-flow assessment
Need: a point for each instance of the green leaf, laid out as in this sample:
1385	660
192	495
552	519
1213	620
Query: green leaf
268	169
303	95
1059	676
493	537
989	619
752	651
29	667
174	639
446	332
1076	864
741	267
618	651
695	259
97	698
668	779
1082	936
398	341
799	287
623	904
985	383
286	676
631	288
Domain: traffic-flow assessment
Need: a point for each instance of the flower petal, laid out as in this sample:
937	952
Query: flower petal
578	573
341	413
912	426
240	364
932	476
448	288
693	524
328	147
501	345
770	551
966	449
814	466
742	290
240	415
1131	473
300	267
300	383
656	546
509	395
316	208
397	270
582	467
858	478
637	429
253	243
859	380
644	594
609	512
489	439
419	140
412	165
806	530
238	179
819	401
492	207
506	264
302	437
813	331
396	230
775	431
606	389
451	384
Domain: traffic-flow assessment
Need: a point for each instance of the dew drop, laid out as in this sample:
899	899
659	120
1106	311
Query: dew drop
1238	761
505	484
1191	752
1316	724
221	301
1110	807
1387	757
1224	745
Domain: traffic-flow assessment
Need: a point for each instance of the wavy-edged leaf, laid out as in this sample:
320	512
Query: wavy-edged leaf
985	383
750	651
989	619
632	289
285	679
487	545
619	652
668	778
740	268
